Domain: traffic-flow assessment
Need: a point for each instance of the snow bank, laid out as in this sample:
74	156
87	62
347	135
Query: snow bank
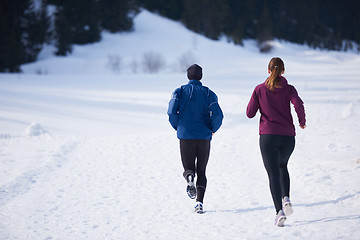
35	129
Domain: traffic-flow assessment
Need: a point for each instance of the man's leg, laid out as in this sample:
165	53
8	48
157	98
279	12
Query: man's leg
203	153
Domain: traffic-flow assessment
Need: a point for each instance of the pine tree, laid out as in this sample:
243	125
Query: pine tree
172	9
264	27
116	15
85	15
209	18
23	31
77	22
35	31
63	33
81	21
11	49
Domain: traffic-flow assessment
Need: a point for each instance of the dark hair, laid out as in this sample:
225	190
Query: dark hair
276	67
194	72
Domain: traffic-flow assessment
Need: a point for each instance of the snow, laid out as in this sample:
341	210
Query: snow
87	152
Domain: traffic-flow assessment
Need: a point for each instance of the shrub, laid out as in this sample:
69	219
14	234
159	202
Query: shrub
153	62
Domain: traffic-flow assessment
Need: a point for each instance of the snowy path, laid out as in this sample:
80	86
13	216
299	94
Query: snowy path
131	188
129	185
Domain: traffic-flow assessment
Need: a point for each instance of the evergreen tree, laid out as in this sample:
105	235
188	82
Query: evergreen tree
11	50
208	17
23	32
264	28
116	15
85	14
76	22
81	21
329	24
35	31
236	27
63	33
172	9
318	23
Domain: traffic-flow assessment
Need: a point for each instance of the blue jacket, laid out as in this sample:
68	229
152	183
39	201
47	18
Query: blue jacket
194	111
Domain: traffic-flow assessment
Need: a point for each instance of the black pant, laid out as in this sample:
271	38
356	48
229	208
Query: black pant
276	151
194	156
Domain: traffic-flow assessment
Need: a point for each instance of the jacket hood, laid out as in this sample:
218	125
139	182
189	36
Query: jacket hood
282	84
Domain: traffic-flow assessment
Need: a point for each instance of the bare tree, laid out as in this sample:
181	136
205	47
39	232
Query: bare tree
114	63
153	62
185	60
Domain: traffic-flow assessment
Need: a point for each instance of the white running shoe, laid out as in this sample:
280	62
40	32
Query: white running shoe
280	219
191	189
199	208
287	206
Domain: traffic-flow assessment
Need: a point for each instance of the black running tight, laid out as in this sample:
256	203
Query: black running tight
276	151
194	156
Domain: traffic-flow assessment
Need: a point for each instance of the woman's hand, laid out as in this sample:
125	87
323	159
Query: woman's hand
303	126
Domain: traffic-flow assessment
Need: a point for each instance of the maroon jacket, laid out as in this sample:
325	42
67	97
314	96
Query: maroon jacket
275	109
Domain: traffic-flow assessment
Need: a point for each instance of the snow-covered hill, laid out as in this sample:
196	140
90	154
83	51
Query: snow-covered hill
86	151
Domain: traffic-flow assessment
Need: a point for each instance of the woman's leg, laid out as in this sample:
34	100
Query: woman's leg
271	154
286	149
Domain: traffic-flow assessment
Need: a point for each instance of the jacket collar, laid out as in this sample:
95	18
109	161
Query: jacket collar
196	82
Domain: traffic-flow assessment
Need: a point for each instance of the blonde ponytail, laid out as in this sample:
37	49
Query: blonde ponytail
276	67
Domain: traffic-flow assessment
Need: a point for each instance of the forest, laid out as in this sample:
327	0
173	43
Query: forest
26	25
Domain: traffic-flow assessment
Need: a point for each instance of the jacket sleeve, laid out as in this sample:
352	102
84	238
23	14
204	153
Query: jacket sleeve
216	114
299	106
253	105
173	110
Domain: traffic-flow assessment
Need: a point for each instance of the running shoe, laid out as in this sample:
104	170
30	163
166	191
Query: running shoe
280	218
287	206
191	189
199	208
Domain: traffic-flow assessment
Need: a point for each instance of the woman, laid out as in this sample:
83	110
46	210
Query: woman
277	132
195	114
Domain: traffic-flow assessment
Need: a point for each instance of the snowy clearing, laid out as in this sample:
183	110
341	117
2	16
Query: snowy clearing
86	152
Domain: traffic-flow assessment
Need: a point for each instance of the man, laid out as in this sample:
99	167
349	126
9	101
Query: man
195	114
